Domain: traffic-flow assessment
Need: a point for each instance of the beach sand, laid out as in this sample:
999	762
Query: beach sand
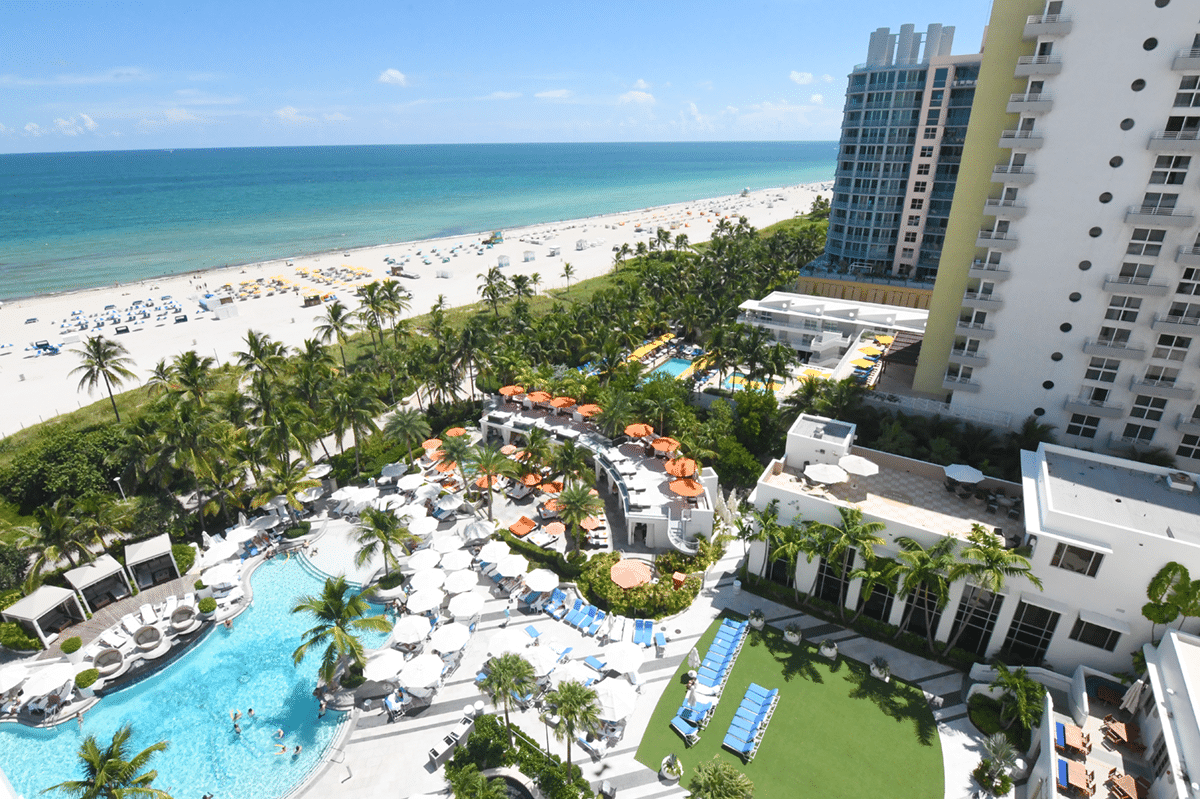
37	388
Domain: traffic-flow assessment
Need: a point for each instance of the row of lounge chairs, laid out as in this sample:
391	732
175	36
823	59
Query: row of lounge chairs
697	707
751	720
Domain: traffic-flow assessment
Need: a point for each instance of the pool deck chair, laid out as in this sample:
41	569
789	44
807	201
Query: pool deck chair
595	663
744	748
689	733
532	632
660	644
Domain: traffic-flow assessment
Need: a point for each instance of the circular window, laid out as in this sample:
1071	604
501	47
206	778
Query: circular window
1138	85
1116	161
1039	411
1150	43
1056	356
1048	384
1106	197
1095	232
1065	327
1075	296
1084	266
1126	124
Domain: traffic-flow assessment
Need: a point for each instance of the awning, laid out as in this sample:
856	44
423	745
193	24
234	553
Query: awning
92	573
39	603
1107	622
143	551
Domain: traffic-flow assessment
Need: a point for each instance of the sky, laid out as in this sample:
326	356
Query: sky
111	74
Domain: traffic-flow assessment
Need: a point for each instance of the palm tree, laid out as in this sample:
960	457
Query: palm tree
717	779
925	576
469	783
568	272
336	323
57	536
103	360
1021	696
989	565
576	502
110	773
852	535
1000	755
353	407
578	710
495	288
570	461
491	464
262	355
874	572
192	375
789	546
509	674
380	531
286	478
338	619
1031	434
407	425
459	452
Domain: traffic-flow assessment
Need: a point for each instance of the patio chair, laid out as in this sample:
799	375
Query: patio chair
660	642
595	663
597	623
747	725
739	746
146	614
130	624
575	613
689	733
532	632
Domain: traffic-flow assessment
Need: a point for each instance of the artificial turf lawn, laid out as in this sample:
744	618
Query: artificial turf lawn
837	731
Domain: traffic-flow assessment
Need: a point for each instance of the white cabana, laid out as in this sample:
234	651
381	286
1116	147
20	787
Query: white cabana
150	562
528	256
423	671
100	582
47	610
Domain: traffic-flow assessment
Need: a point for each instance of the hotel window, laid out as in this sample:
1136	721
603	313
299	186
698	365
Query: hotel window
1113	337
976	617
1094	635
1170	169
1172	348
1189	447
1076	559
930	133
1189	93
958	373
1030	632
1095	395
910	237
907	252
1186	312
1161	375
1136	273
1148	408
1146	242
1083	426
1123	309
922	169
927	152
1154	202
914	220
917	204
919	186
1102	369
1139	433
1189	283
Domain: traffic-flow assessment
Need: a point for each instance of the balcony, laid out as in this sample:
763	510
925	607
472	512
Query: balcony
1172	323
960	384
1030	103
1013	175
967	358
1046	25
1003	241
1139	286
1031	65
1162	217
1188	424
1175	141
985	271
1091	407
1168	389
1186	60
1006	209
1020	139
974	330
983	302
1188	256
1113	349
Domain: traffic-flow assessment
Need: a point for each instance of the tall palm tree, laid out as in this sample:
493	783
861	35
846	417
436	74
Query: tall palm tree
509	674
380	531
495	288
1020	696
338	619
286	477
568	272
577	707
874	573
193	375
104	361
110	773
853	535
57	536
263	355
926	575
459	451
490	464
576	502
337	323
571	461
407	425
989	565
469	782
789	546
353	407
718	779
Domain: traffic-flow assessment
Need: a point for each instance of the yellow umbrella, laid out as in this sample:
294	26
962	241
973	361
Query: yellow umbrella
863	362
870	351
885	339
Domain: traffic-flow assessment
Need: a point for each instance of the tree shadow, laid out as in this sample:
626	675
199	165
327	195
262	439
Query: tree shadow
797	661
896	699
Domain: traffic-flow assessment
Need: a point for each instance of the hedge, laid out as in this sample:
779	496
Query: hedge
391	579
569	568
13	636
303	528
487	747
71	645
645	601
185	556
86	678
207	605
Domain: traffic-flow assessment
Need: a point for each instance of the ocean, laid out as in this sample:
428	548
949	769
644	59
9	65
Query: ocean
81	220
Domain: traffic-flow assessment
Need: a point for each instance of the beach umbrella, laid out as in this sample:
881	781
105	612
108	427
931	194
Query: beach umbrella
447	543
423	671
310	494
541	580
466	606
427	491
825	473
449	637
219	552
588	410
542	658
629	573
511	391
480	528
615	700
344	493
623	656
555	528
487	481
319	471
383	665
508	449
455	432
11	676
460	582
393	470
410	482
456	560
422	601
590	523
639	430
493	551
512	566
686	487
48	678
445	467
885	339
1133	696
264	522
449	502
551	486
531	479
538	396
427	578
507	640
962	473
240	535
410	629
862	363
857	464
423	559
221	575
431	443
680	467
389	503
422	526
665	444
694	658
573	671
562	402
870	351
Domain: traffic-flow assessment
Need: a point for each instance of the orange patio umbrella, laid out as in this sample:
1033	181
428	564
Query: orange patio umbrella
555	528
539	396
455	432
590	523
630	573
522	527
639	429
431	443
531	479
665	444
508	449
510	391
588	410
436	455
445	467
487	481
551	504
594	492
562	402
681	467
552	486
686	487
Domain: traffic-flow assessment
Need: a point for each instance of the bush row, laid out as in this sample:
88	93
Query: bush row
645	601
568	568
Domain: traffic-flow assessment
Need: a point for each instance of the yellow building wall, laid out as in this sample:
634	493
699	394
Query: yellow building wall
854	291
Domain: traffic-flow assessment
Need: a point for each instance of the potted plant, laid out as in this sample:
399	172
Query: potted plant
84	681
880	669
828	649
671	769
207	607
757	618
71	648
791	633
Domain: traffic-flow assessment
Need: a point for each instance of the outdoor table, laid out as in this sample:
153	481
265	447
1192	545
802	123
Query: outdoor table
1077	776
1072	737
1125	785
1123	731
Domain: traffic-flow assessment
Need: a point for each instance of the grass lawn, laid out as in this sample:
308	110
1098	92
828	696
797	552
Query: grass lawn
837	731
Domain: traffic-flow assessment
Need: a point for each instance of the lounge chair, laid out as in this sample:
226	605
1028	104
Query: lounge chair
744	748
660	642
147	615
168	607
130	624
597	623
577	613
689	733
595	663
532	632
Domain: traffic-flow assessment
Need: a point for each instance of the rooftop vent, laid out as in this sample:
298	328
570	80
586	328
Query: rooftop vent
1181	481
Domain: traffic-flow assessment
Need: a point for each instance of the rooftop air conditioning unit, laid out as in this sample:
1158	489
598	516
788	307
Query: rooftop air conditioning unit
1181	481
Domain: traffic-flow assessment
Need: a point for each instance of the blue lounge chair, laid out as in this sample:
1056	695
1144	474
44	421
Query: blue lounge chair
749	724
532	632
743	748
574	612
708	682
710	674
660	640
688	732
584	622
647	632
597	622
595	663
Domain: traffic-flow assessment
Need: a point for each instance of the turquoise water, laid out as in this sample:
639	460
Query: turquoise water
674	367
190	701
737	382
78	220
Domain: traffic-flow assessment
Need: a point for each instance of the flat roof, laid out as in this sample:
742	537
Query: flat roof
94	572
817	427
1120	493
150	549
39	603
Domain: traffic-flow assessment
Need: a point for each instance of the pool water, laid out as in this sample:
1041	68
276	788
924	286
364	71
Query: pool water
674	367
190	701
738	382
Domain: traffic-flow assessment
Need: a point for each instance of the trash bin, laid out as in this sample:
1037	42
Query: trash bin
607	791
737	586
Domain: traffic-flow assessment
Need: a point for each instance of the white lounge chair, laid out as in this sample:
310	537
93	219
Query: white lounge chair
169	607
130	623
147	615
115	638
189	600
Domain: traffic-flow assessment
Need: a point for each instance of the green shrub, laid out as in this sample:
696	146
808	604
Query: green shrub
12	567
71	645
198	585
86	678
13	636
998	787
487	747
353	677
207	605
391	579
303	528
9	597
185	556
985	715
653	601
569	568
62	462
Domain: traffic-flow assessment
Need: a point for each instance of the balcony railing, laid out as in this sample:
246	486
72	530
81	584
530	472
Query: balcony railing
1187	59
1188	424
1175	141
1038	65
1113	349
1019	174
1094	407
1162	387
1009	208
1136	285
983	269
1188	256
1030	97
1176	323
1022	139
1158	215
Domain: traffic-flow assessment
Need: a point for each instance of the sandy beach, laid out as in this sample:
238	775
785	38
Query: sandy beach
268	296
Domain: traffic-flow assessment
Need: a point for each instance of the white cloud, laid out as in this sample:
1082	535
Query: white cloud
641	85
181	115
394	77
827	78
641	98
291	114
118	75
803	78
692	119
554	94
67	127
706	85
817	99
196	97
503	95
88	122
337	116
33	129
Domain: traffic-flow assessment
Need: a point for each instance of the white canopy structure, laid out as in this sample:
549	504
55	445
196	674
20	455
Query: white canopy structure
49	608
150	562
100	582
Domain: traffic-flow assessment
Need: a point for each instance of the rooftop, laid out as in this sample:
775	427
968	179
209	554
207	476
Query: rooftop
818	427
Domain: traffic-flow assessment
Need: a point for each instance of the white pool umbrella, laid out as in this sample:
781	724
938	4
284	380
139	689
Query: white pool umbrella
541	580
449	502
623	656
460	582
410	482
411	629
572	671
480	528
240	535
264	522
319	471
222	574
383	665
493	551
962	473
278	501
422	601
393	470
426	579
825	473
344	493
422	526
219	552
310	494
447	543
48	678
389	503
858	465
456	560
542	658
423	559
421	672
508	640
512	566
467	605
450	637
11	676
1132	696
616	699
427	491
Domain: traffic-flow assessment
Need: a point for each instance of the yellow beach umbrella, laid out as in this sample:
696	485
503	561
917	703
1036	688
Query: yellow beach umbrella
870	351
862	362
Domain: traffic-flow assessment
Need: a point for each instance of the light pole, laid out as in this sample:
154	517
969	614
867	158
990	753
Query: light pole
120	487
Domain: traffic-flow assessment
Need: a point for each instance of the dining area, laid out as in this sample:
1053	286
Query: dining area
1073	746
1103	755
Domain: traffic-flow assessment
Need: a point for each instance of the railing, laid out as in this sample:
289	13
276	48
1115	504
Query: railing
1012	169
965	381
1177	319
1043	19
1188	52
975	295
927	407
1161	382
1035	60
1094	403
1019	134
1189	251
1029	98
987	267
1158	210
996	235
677	538
1176	135
963	353
1004	204
961	325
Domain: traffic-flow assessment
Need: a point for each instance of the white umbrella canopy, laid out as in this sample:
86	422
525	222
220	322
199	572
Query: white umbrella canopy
11	676
512	566
694	658
422	601
493	551
319	471
383	665
460	582
616	699
422	671
278	501
424	559
344	493
541	580
962	473
623	656
450	637
449	502
456	560
427	491
49	678
264	522
422	526
219	552
410	482
411	629
393	470
858	465
426	579
542	658
507	640
1132	696
480	528
389	503
310	494
240	535
573	671
447	543
825	473
221	575
466	606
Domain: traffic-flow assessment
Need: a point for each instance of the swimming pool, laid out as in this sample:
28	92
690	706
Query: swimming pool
189	703
738	382
674	367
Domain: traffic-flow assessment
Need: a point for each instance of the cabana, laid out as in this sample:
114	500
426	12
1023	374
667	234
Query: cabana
528	256
502	260
47	610
581	244
150	562
100	582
